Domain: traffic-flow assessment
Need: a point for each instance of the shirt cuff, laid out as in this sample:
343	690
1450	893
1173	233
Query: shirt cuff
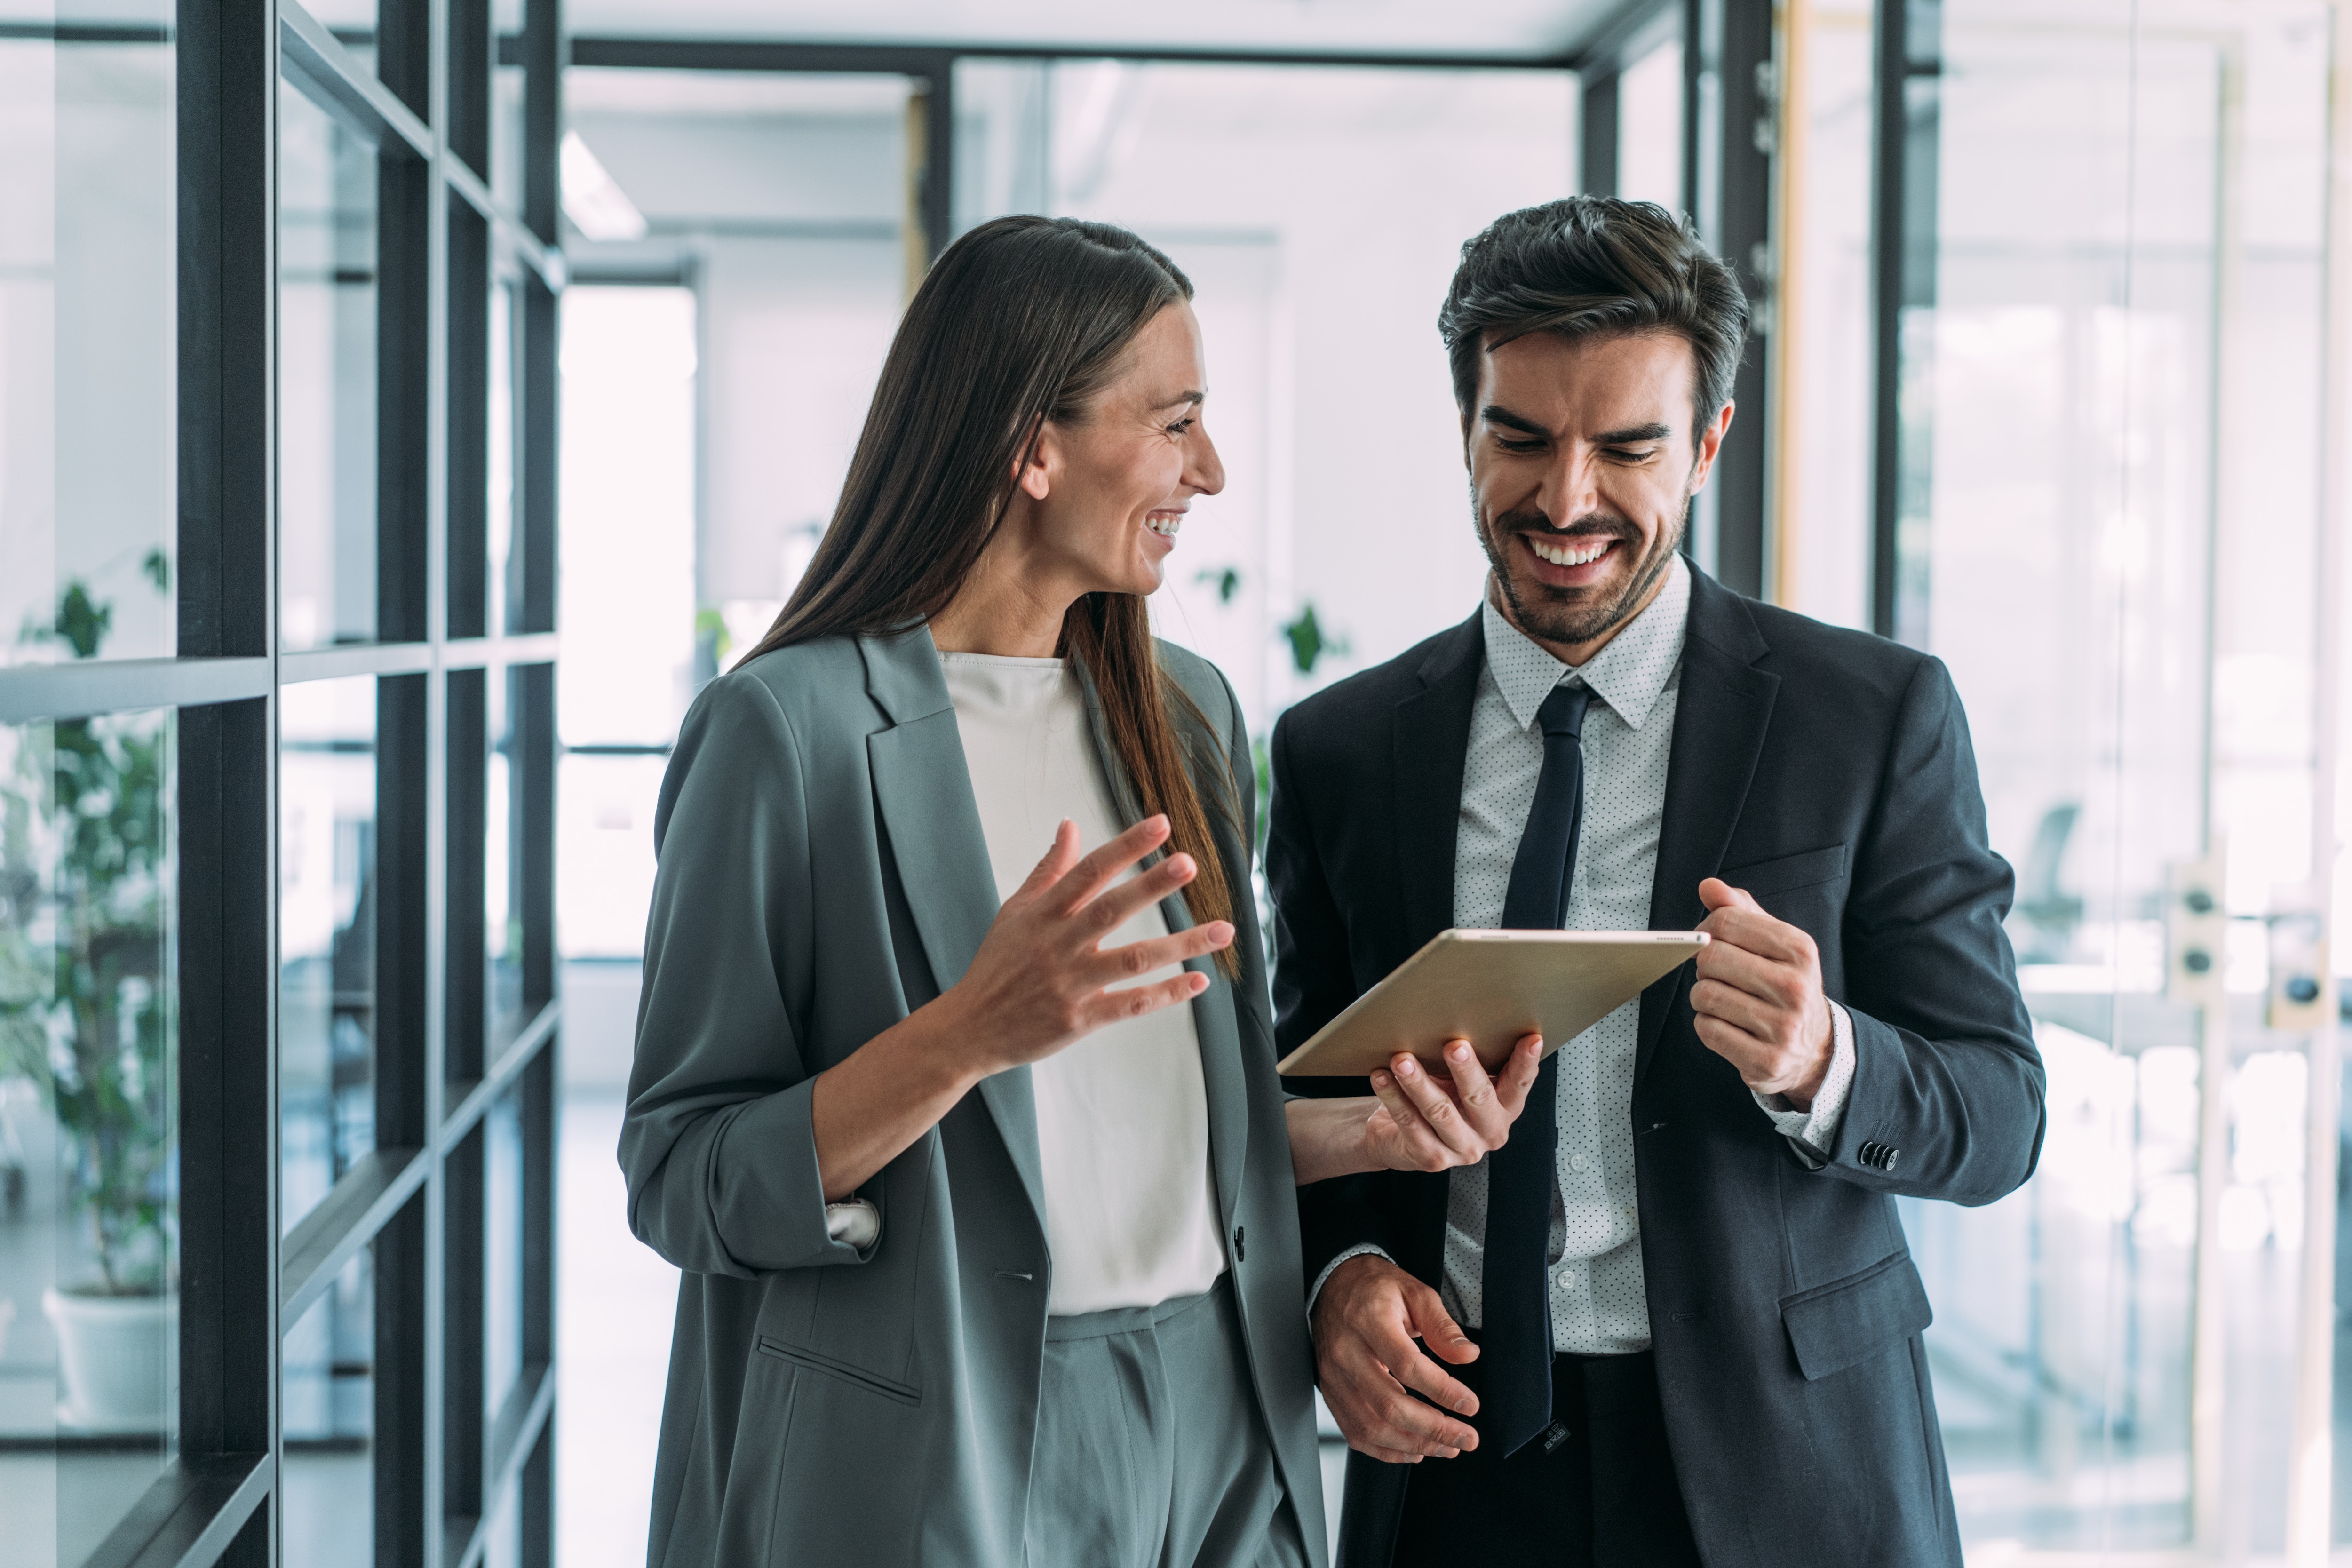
1315	1294
1811	1133
856	1223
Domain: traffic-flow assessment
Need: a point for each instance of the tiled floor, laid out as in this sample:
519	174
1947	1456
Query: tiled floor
614	1318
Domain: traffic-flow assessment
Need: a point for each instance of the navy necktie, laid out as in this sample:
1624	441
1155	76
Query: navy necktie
1514	1338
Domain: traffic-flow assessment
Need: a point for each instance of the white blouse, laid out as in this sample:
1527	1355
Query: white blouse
1122	1114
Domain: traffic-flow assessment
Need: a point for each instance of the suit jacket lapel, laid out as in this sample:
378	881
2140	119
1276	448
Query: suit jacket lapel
1213	1010
1431	747
1721	715
923	792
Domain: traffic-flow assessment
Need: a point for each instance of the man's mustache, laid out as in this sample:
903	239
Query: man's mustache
1593	526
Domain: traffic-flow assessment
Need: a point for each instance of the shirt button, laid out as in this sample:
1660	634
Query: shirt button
1576	1161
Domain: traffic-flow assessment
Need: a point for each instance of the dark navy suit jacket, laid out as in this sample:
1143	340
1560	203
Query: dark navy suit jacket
1828	772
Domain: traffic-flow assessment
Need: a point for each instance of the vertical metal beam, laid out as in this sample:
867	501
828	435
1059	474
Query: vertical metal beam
228	1099
406	1274
467	499
531	775
404	52
2310	1482
1889	132
532	705
405	232
226	91
1906	150
541	1129
538	1499
1738	224
464	1415
935	169
2209	1345
465	873
1597	127
543	117
471	51
1702	107
1728	144
438	1418
401	1439
464	1424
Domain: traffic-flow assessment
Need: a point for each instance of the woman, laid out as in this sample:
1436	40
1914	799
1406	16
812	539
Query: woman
976	1162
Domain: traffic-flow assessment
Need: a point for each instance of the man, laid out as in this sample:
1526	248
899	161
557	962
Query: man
1675	1322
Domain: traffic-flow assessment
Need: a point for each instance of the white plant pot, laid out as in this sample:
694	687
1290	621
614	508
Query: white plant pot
114	1358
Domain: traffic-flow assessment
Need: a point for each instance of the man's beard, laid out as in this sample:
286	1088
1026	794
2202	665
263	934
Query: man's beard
1574	616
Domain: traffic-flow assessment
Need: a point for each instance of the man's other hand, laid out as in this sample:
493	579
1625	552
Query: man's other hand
1759	996
1366	1322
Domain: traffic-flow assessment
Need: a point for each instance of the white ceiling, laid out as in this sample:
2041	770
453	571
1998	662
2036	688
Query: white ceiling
1508	28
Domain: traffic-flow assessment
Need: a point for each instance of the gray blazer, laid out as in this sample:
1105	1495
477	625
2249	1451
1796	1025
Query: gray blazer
821	873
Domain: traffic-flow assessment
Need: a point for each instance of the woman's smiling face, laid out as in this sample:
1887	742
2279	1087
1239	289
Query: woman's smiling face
1108	496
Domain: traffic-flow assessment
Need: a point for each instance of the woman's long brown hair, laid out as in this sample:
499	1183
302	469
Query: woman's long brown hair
1021	320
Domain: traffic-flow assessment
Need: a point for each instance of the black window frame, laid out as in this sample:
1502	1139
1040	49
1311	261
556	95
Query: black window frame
444	1465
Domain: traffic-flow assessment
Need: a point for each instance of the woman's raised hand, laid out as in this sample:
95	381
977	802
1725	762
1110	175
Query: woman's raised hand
1043	979
1433	1122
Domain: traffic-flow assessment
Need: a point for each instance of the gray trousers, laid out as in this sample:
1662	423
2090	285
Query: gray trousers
1151	1451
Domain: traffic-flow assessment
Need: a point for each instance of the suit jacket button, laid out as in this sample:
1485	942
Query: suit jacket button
1239	1231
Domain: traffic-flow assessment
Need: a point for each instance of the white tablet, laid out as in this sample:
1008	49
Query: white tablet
1490	987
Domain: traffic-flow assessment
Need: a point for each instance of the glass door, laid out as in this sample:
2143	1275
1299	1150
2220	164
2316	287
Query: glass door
2105	519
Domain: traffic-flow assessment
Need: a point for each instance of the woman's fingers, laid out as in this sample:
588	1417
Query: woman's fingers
1115	907
1132	961
1060	855
1135	1001
1105	866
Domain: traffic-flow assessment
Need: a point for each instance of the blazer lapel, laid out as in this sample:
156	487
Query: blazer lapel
1214	1009
1432	745
923	792
1721	715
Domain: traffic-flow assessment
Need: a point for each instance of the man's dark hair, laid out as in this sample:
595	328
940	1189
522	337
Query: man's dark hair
1587	265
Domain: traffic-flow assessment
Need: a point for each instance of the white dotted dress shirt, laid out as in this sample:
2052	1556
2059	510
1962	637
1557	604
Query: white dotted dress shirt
1599	1305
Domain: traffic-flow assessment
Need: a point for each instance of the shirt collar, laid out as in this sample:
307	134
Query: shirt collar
1628	673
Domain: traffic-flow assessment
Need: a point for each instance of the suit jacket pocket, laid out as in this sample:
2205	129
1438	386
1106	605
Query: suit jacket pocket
1834	1326
1785	873
855	1376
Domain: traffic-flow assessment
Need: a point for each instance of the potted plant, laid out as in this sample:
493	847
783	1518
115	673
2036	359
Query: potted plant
84	1017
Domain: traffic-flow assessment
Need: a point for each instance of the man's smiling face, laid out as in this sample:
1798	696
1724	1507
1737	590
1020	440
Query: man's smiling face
1582	463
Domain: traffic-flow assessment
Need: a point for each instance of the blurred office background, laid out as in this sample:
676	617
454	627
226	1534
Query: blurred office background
405	405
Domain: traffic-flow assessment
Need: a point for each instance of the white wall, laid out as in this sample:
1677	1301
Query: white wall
793	335
1360	187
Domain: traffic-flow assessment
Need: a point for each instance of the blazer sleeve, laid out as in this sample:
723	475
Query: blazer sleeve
717	1143
1946	1072
1313	984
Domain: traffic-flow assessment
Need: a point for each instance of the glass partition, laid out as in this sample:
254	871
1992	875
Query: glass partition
88	229
239	335
327	934
326	1390
2106	524
89	1150
328	310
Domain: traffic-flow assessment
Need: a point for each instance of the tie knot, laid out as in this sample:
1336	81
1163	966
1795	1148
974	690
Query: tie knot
1563	712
